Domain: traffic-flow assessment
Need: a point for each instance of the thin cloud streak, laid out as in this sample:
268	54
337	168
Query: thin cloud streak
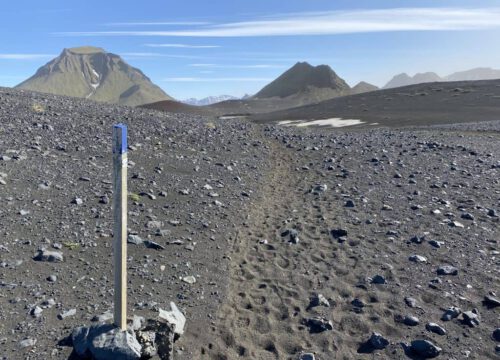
25	56
336	22
195	79
182	46
257	66
159	23
156	55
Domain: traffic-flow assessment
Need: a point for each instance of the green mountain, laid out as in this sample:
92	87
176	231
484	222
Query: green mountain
92	73
306	84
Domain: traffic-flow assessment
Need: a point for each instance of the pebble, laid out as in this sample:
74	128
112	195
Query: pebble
451	313
447	270
307	356
411	320
418	258
435	328
66	314
496	334
134	239
471	318
318	324
189	279
378	279
425	349
49	256
491	301
318	300
27	342
378	341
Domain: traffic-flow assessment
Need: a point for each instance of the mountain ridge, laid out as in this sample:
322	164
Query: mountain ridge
475	74
311	83
93	73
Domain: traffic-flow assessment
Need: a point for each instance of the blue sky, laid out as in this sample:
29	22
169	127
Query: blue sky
200	48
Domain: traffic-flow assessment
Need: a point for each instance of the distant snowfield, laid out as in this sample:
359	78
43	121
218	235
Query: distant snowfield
333	122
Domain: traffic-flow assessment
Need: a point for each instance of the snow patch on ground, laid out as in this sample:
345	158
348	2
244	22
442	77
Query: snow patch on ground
333	122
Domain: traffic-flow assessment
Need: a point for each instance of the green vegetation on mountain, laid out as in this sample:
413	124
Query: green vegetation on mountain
92	73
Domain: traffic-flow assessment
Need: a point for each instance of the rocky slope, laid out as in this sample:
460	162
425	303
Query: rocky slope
278	241
93	73
363	87
422	104
306	84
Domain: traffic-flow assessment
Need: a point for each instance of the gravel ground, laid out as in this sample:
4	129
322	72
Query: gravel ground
266	219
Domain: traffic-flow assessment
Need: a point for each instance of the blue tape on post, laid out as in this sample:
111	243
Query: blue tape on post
123	128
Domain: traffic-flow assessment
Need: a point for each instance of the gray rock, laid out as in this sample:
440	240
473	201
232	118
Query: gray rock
48	256
411	320
318	324
36	312
65	314
134	239
350	204
27	342
52	278
378	279
77	201
358	304
491	301
496	334
292	234
189	279
175	318
467	216
137	323
451	313
79	340
425	349
418	258
436	244
318	300
435	328
107	316
377	341
153	245
411	302
338	233
307	356
115	344
447	270
154	224
471	318
318	189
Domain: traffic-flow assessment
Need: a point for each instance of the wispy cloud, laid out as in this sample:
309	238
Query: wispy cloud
158	23
182	46
256	66
336	22
222	79
26	56
156	55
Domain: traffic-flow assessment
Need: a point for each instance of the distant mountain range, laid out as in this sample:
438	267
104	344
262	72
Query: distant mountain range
92	73
468	75
208	100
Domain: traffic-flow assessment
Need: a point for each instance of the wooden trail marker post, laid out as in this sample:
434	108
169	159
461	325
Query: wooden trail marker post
120	163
